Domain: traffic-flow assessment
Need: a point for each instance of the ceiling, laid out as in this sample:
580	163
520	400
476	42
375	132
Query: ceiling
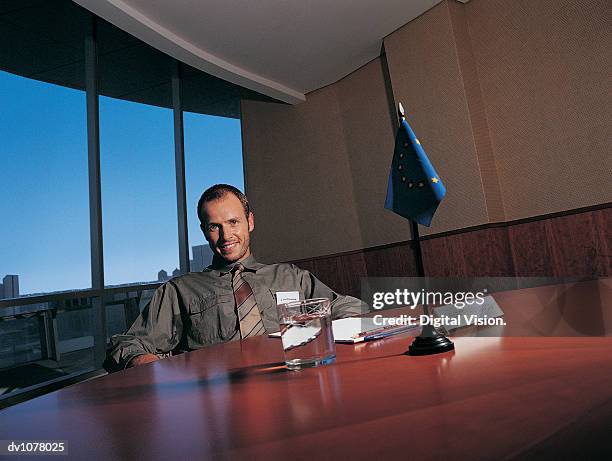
280	48
44	40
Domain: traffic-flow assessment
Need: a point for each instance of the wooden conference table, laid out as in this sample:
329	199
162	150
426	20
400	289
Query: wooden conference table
492	398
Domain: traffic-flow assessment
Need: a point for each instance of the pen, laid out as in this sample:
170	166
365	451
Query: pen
384	333
375	331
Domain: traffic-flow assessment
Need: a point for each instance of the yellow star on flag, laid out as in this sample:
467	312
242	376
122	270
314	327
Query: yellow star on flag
435	180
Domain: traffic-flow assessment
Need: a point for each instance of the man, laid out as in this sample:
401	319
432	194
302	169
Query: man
235	298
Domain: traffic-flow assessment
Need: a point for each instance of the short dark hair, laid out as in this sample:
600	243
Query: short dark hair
219	191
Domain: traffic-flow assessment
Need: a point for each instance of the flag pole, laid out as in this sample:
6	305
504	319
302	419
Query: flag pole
430	341
418	256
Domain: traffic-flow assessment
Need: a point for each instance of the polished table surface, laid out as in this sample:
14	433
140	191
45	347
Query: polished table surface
492	398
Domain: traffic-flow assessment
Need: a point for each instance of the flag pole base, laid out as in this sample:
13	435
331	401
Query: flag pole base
430	341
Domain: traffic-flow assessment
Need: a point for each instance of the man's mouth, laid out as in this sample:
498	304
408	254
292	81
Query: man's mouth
228	246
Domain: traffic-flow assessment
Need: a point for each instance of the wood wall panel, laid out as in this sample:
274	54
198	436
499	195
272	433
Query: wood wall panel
353	268
602	220
443	257
479	253
487	253
530	250
575	245
329	271
472	254
342	273
394	261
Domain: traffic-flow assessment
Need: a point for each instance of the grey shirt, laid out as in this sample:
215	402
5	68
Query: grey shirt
198	309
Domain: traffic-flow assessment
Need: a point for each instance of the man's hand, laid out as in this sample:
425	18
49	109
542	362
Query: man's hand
142	359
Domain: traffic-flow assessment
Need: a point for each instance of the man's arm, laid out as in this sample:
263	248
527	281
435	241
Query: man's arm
342	305
156	330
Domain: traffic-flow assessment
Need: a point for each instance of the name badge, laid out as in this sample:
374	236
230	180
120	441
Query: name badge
283	297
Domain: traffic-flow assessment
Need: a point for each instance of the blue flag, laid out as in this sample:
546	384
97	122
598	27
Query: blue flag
414	190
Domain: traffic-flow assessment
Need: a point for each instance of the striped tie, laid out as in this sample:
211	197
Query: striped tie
246	306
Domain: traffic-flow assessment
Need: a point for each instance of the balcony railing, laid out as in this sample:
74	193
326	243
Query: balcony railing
49	339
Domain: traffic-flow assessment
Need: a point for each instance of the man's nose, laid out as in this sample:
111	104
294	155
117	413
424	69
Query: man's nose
223	231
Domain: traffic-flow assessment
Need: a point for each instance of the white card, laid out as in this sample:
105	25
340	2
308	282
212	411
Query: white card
283	297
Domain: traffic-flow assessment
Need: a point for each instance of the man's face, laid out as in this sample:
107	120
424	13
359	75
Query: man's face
227	229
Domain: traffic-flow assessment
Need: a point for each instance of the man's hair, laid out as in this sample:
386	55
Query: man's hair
219	191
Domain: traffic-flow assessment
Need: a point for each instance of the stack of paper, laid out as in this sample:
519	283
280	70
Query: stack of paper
359	329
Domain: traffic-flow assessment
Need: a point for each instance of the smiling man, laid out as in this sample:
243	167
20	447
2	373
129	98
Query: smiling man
227	223
233	299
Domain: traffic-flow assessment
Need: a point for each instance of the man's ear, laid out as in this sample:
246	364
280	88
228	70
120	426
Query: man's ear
251	220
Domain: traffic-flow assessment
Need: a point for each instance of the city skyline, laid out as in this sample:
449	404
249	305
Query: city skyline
203	255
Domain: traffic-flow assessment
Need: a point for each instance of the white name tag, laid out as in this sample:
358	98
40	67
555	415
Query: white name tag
283	297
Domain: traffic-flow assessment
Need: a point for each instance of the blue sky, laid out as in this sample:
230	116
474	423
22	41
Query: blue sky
44	230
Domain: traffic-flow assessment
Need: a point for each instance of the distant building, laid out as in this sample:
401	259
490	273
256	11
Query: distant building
1	291
202	257
10	285
162	276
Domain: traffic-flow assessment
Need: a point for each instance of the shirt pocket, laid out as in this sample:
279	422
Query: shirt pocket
202	323
269	311
227	319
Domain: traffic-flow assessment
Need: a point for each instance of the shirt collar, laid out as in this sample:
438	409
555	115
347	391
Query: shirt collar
250	264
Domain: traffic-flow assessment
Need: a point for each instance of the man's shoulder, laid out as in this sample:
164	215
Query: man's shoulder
279	268
273	265
188	279
206	273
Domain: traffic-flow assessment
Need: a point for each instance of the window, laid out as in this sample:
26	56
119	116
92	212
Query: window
44	236
213	147
44	190
44	183
213	154
136	160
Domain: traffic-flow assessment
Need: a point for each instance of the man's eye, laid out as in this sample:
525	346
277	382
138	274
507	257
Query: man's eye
212	227
233	222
